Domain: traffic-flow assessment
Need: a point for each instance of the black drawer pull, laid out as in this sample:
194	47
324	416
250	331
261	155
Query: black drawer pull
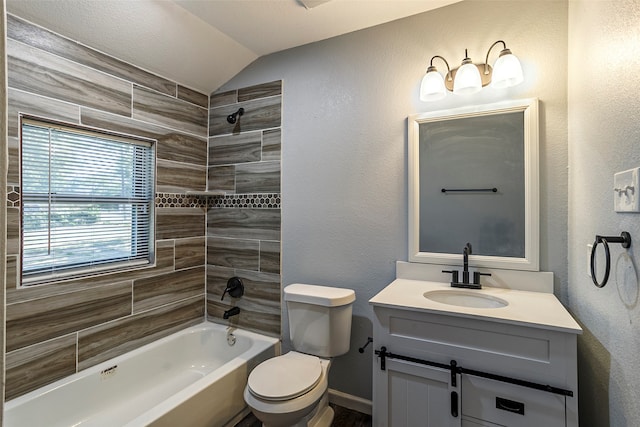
510	405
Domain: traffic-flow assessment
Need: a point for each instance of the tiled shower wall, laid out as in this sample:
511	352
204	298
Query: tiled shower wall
243	227
55	330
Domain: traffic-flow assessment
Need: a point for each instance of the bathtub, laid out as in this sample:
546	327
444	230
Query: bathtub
194	377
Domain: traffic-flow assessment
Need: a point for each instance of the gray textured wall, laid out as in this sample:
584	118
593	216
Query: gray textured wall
603	139
344	144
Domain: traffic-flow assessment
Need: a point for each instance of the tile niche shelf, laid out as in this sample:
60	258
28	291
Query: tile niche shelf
207	193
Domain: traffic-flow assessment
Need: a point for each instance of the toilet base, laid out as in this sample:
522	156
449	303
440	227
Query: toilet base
321	416
324	415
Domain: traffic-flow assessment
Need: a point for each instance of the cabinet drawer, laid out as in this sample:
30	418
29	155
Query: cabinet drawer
511	405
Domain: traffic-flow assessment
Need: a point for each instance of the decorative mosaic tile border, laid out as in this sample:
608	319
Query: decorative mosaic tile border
163	200
256	201
13	196
176	200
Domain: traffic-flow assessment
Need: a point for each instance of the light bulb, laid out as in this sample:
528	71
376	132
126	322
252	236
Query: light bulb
432	87
507	71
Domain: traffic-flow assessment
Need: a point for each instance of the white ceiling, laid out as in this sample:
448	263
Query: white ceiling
204	43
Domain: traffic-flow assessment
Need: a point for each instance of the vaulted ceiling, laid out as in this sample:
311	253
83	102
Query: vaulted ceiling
204	43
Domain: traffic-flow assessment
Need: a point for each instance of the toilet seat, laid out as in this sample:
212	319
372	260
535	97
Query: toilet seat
288	412
285	377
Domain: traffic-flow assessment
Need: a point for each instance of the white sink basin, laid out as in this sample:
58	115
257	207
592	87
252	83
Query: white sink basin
465	298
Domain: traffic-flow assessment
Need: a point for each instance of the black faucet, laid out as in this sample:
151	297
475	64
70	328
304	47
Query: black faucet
465	273
233	311
465	263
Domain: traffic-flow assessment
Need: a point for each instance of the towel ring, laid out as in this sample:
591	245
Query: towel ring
624	240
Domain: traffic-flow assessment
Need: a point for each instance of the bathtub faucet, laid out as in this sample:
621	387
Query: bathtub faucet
231	312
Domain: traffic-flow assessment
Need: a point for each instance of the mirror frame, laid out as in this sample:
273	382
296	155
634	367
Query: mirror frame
530	261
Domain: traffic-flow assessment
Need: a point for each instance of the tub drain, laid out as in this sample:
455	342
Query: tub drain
231	339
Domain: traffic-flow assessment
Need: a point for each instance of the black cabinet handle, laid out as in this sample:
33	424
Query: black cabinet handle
510	405
454	404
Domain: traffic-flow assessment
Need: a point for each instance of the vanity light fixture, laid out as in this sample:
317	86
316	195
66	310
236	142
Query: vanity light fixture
469	77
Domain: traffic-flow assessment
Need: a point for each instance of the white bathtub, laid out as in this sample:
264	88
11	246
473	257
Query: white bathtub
191	378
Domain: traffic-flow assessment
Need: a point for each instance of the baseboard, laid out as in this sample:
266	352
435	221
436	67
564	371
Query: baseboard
350	401
238	417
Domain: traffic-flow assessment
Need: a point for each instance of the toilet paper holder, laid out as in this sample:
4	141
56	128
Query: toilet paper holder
624	239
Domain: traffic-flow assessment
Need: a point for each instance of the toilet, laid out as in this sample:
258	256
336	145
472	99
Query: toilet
291	390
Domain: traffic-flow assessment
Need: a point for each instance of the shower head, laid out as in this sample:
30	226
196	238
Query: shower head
231	118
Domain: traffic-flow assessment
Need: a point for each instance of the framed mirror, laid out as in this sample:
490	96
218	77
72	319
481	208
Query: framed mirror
473	178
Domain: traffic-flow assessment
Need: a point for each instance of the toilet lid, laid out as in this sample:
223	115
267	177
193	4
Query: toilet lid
285	377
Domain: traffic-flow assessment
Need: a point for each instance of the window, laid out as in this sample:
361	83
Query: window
87	201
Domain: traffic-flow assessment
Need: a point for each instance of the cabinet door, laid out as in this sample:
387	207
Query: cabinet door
412	395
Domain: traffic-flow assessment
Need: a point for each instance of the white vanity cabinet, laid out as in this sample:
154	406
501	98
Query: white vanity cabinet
489	350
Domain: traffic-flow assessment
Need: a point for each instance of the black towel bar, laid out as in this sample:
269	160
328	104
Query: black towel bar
469	190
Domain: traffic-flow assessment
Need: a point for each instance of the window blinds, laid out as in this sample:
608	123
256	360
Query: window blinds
87	201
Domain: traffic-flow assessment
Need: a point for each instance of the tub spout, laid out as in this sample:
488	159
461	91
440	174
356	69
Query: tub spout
231	312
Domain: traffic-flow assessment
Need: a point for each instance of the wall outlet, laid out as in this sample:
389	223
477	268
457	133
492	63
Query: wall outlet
625	191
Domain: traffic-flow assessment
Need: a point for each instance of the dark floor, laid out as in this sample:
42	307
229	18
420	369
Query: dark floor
344	418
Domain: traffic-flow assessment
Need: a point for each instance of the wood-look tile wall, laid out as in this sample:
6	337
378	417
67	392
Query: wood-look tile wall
57	329
243	227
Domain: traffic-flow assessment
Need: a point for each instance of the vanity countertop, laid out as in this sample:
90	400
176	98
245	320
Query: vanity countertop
525	308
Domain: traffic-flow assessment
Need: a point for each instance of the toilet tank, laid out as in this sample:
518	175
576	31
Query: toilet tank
319	318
